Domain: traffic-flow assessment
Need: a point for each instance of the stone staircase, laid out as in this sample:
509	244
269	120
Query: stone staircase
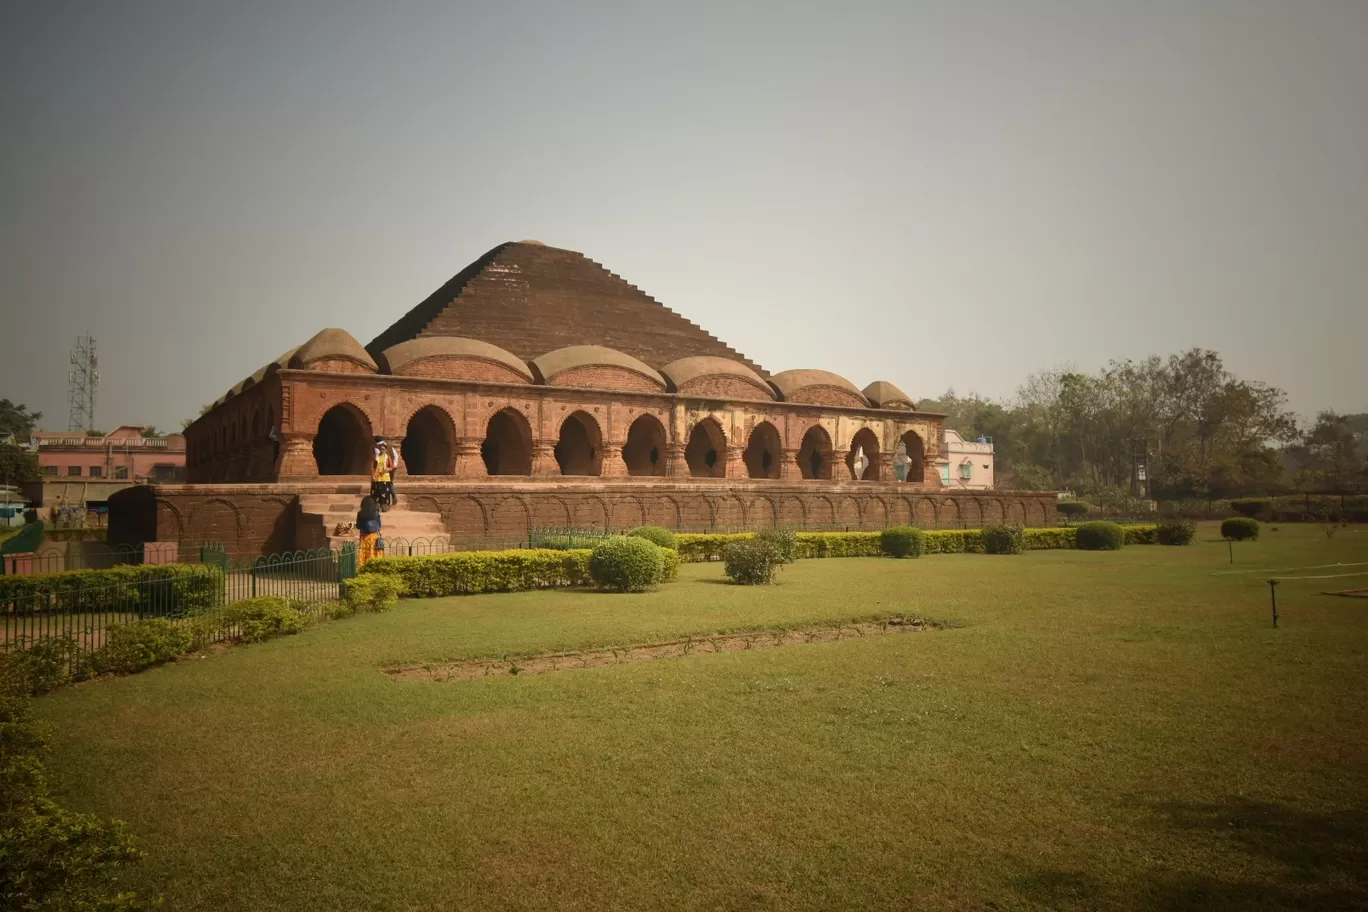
321	514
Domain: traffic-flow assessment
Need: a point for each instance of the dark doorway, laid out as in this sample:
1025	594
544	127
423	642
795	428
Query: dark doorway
763	452
343	444
507	447
579	451
864	440
644	451
706	452
814	456
429	446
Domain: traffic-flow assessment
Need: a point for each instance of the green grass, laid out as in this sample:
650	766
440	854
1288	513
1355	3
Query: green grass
1104	729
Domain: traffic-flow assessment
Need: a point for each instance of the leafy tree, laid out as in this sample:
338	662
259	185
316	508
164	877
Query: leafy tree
1327	457
17	465
18	420
204	410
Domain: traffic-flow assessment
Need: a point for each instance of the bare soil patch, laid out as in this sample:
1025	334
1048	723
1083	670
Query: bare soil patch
543	663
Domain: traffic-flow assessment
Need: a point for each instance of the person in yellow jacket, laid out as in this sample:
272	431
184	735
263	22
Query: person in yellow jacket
384	463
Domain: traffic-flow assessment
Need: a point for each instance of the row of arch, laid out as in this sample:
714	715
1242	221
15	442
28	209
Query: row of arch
343	446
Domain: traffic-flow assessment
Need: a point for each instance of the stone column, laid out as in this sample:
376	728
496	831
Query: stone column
886	472
296	455
789	469
469	461
736	463
544	458
675	463
613	466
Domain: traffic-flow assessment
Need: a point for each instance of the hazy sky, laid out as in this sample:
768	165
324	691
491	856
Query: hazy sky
937	194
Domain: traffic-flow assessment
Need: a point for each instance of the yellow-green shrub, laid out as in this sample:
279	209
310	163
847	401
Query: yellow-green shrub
141	644
1050	539
373	592
470	572
840	544
954	541
255	619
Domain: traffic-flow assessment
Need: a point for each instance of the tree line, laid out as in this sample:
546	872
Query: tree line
1175	428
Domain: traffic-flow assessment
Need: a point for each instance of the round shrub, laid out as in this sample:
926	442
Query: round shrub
1175	531
1241	528
1100	536
1004	538
626	563
657	535
1072	509
783	541
1253	507
903	541
750	562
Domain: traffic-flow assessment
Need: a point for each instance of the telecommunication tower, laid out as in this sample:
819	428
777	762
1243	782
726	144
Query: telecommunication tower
82	382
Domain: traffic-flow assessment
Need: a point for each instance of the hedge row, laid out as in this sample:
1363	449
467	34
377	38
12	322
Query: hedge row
698	547
471	572
163	589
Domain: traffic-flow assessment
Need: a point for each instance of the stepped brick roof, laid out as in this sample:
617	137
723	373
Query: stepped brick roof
531	299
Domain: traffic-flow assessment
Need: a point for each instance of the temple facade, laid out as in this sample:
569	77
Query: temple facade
536	389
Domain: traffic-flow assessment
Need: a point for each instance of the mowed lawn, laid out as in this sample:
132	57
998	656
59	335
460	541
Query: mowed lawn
1100	730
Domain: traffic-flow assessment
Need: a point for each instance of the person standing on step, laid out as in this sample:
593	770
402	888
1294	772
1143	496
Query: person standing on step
368	527
385	461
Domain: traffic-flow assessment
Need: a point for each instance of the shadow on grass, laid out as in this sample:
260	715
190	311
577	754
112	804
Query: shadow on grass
1300	860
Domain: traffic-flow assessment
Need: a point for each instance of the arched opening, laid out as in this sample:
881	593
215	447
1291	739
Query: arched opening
763	452
706	452
912	457
644	451
342	445
429	446
579	451
814	456
507	447
864	442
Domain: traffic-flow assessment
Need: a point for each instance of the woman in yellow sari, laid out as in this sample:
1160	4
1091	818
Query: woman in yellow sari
368	525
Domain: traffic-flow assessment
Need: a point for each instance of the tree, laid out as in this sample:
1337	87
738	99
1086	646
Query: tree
17	465
1327	458
18	420
204	410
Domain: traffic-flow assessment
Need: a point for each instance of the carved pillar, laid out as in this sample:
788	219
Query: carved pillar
544	458
469	461
675	463
736	463
789	469
613	466
886	472
297	456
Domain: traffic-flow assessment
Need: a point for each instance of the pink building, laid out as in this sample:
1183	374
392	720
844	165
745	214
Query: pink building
78	469
965	464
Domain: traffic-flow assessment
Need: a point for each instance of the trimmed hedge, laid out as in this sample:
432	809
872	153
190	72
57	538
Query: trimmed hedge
1241	528
658	535
1175	532
626	563
376	592
166	590
141	644
840	544
1004	538
902	541
1141	535
1100	536
1049	539
472	572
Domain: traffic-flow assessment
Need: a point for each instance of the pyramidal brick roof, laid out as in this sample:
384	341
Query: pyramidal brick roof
530	299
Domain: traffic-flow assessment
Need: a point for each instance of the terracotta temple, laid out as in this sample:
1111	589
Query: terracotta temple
536	389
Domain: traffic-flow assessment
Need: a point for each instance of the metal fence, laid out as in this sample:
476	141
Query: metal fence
77	610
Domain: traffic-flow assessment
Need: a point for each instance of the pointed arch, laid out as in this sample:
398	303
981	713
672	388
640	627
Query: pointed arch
913	451
342	444
429	446
579	449
763	451
507	446
814	454
866	441
706	452
644	451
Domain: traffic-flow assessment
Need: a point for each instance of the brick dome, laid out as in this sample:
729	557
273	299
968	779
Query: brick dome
454	358
818	387
596	367
333	350
716	378
884	395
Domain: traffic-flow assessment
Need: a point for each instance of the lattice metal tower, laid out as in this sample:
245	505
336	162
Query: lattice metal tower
82	381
